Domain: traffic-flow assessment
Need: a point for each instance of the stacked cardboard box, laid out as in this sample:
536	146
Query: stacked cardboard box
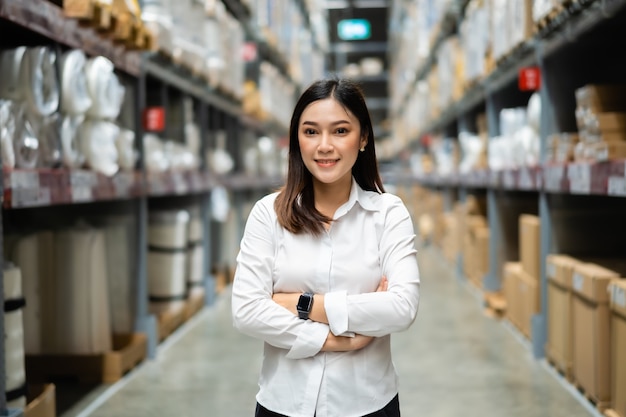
510	286
558	349
528	282
476	249
618	346
591	335
601	121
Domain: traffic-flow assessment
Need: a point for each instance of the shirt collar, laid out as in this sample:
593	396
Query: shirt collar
357	195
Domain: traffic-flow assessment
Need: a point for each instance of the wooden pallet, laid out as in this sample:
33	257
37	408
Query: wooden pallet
612	413
128	351
171	319
564	370
601	406
546	20
41	401
194	303
495	304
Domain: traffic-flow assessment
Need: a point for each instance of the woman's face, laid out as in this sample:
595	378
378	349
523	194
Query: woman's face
330	138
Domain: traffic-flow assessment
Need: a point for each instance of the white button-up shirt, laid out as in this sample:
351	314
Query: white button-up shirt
371	236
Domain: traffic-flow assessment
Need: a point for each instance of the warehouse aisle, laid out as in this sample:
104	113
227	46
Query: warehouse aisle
453	361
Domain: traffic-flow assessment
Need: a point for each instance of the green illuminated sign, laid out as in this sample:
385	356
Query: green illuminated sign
354	29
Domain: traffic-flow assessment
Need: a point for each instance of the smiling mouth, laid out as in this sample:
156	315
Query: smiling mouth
326	161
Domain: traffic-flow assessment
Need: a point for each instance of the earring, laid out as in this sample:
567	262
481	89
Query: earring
362	149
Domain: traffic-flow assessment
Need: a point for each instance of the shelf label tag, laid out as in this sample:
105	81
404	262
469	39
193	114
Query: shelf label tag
154	119
529	79
619	296
578	281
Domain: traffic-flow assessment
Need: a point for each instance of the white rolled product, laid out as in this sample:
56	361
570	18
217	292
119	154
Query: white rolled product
15	380
118	252
7	130
75	98
10	69
47	129
72	156
105	89
195	250
83	323
25	141
167	259
127	154
40	81
97	144
24	252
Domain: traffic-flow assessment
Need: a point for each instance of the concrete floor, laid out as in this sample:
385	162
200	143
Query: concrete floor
454	361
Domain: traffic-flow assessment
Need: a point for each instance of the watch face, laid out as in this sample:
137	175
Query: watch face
304	302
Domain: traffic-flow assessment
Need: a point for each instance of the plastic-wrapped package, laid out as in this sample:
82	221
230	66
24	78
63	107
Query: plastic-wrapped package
472	147
179	156
48	131
97	141
155	158
75	98
127	154
10	69
40	81
7	131
25	142
72	155
105	89
534	112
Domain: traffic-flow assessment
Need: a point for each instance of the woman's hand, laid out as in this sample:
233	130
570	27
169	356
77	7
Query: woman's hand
345	344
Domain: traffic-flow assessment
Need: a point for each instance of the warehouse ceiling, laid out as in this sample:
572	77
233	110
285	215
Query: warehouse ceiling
359	59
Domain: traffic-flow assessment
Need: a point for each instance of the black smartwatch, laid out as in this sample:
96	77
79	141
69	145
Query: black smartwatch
305	304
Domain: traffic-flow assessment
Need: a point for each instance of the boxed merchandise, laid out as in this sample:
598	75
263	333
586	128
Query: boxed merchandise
559	270
510	284
604	151
591	337
618	346
528	293
601	97
529	240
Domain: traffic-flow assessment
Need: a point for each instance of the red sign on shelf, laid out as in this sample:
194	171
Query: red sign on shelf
529	79
154	119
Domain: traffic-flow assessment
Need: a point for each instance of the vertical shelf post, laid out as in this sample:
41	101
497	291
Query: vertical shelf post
491	282
145	322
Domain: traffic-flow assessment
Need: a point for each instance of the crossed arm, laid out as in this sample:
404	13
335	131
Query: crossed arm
318	313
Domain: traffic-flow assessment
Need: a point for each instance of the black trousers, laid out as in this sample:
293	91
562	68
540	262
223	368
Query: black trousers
391	410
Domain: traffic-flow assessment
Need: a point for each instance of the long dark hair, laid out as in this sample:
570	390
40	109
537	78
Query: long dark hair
295	205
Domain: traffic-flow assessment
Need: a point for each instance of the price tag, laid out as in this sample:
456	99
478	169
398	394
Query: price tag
83	178
508	179
579	186
81	194
122	183
577	281
30	197
618	296
180	185
529	79
616	186
525	180
24	179
551	270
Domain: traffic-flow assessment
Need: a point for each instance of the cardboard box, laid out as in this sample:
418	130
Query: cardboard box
590	281
601	98
617	292
41	401
528	287
560	268
591	330
559	341
618	346
529	241
510	279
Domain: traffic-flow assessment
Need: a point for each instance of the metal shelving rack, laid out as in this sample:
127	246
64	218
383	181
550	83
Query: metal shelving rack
45	22
537	185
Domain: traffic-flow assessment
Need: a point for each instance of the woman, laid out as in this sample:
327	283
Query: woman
327	268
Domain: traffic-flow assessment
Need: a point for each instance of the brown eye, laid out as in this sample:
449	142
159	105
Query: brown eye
309	131
342	131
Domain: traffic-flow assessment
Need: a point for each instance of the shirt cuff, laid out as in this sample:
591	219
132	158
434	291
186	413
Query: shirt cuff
336	306
310	340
